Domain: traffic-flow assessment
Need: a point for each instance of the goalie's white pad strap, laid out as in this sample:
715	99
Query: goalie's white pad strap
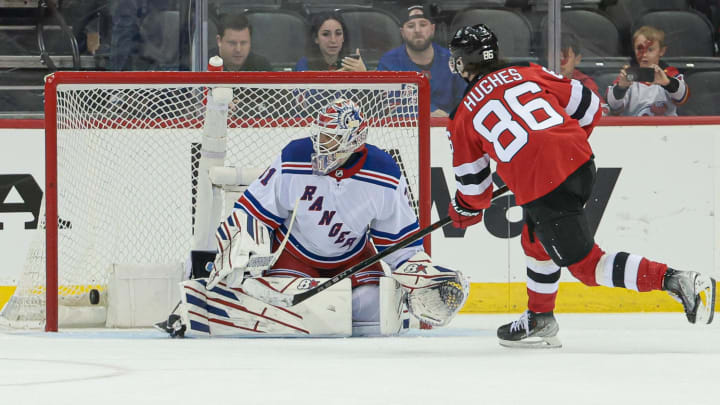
379	310
225	311
219	98
234	176
393	313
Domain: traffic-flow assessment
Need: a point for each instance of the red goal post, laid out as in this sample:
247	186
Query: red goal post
404	97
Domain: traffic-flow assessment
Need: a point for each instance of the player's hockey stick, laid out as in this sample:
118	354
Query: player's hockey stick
256	288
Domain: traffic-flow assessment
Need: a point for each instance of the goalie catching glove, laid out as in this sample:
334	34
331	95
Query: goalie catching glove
238	238
434	294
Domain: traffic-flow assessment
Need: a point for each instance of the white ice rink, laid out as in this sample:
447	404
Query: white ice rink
606	359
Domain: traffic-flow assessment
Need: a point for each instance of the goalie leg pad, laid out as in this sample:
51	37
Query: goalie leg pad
225	311
379	310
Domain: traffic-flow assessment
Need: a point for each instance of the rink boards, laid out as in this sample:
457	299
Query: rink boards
657	195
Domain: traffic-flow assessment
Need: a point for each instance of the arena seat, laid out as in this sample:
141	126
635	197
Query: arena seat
598	35
704	90
271	34
542	5
457	5
161	40
625	12
224	6
687	33
512	29
604	79
374	31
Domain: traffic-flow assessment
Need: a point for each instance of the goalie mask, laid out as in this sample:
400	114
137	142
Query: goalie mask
338	131
474	44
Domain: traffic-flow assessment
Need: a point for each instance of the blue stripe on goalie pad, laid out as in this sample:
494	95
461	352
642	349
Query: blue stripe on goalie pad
250	226
193	300
201	327
217	311
225	293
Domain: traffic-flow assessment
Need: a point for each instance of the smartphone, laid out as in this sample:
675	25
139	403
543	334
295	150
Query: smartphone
640	74
338	64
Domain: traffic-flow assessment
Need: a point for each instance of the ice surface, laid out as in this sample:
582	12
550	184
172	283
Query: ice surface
606	359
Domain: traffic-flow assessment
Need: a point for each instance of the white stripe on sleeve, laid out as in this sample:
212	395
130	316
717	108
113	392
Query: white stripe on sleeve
473	167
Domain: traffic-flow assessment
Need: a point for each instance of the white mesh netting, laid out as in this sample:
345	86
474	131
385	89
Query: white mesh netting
127	165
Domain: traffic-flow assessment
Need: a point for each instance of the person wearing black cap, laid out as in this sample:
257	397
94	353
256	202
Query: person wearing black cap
420	54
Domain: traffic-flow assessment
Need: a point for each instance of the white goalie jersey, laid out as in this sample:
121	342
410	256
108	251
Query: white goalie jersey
337	213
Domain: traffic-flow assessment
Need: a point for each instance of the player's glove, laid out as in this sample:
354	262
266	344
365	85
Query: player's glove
434	294
238	239
463	217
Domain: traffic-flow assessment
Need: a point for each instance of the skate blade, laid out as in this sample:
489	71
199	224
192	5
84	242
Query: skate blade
547	342
161	326
705	286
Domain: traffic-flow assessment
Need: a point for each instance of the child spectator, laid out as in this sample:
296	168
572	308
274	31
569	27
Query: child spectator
571	57
661	96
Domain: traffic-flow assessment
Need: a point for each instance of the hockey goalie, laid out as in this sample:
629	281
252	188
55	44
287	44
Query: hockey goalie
328	202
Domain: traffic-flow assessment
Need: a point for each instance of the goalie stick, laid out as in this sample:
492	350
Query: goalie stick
263	292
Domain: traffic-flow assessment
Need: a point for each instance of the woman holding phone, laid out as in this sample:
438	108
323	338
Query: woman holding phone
327	50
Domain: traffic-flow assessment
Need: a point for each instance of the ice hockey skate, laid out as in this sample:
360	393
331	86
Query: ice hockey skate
532	330
173	326
695	291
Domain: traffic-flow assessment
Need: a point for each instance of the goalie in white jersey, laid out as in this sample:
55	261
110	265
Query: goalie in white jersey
349	201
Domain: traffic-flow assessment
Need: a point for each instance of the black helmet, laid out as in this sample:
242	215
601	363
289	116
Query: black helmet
472	44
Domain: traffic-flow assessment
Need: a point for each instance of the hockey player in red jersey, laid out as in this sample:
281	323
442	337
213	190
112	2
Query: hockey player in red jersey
535	124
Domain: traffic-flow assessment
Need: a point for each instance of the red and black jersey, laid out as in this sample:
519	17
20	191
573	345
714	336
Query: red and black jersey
534	123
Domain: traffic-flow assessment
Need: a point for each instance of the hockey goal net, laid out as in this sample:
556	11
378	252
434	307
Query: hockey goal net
122	153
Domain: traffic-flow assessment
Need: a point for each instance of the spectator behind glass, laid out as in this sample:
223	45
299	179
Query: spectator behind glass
137	36
234	41
659	97
420	54
571	57
326	49
125	43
